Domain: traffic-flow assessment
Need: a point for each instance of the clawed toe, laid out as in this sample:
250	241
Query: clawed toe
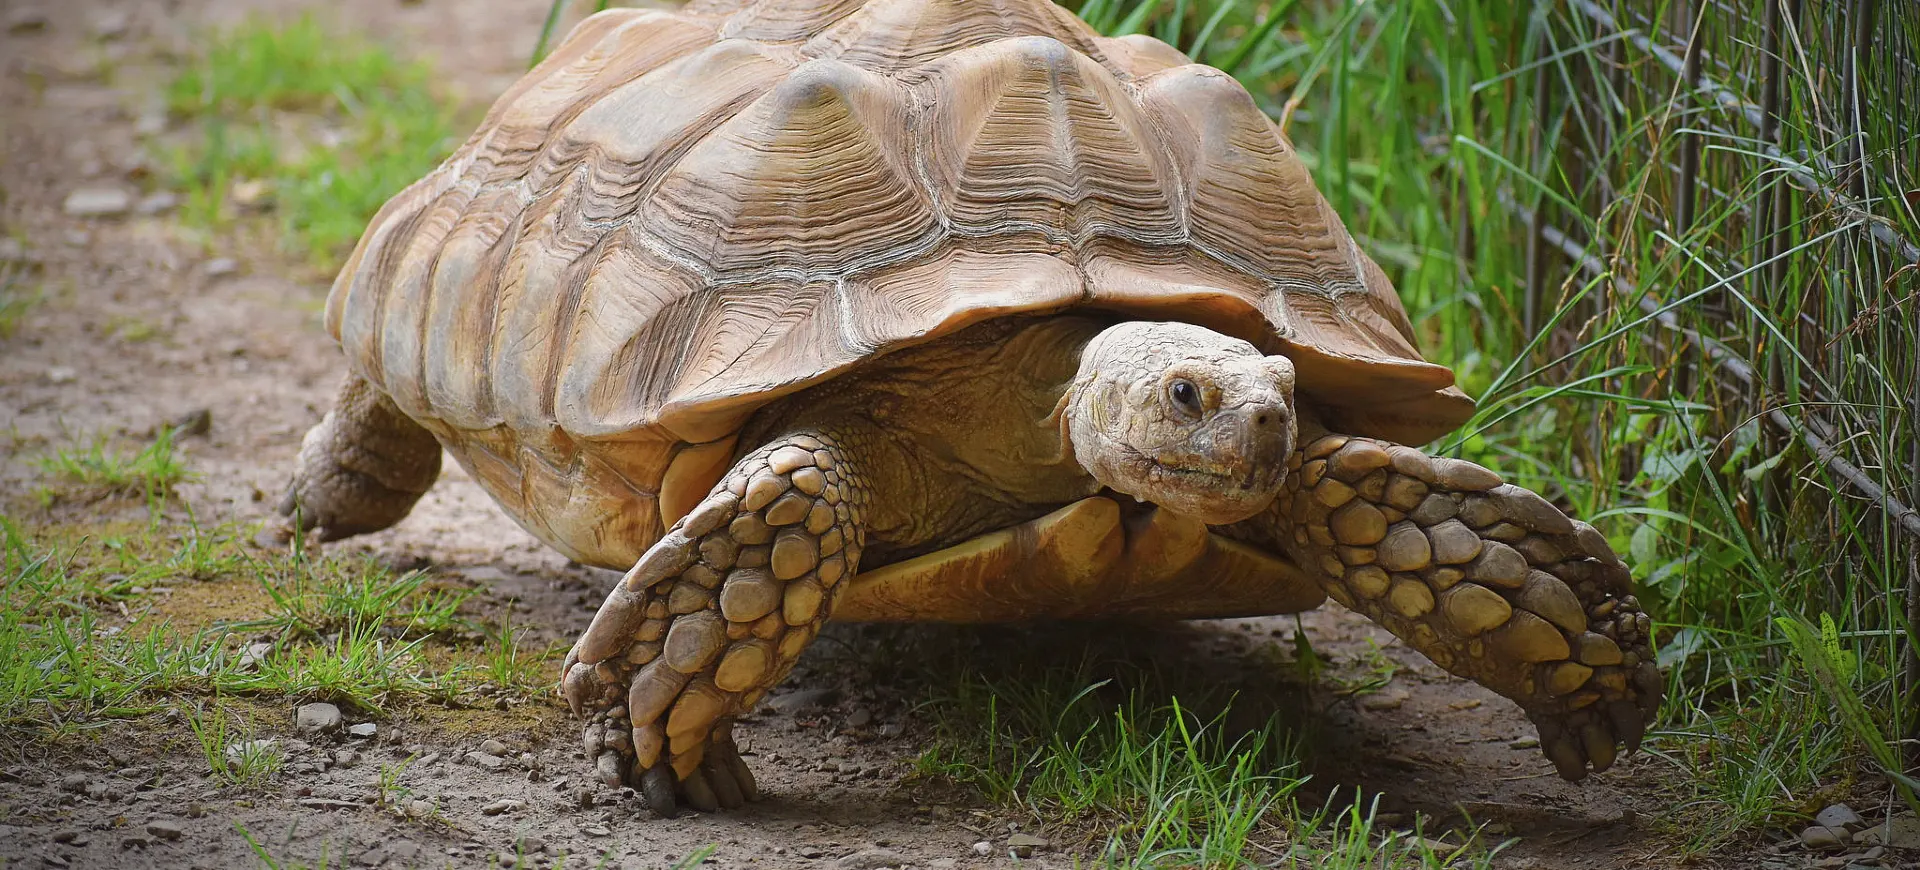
660	790
1591	739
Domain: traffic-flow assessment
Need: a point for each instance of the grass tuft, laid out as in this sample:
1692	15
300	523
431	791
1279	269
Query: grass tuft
318	126
99	471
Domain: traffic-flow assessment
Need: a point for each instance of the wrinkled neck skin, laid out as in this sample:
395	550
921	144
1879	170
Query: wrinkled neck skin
1197	422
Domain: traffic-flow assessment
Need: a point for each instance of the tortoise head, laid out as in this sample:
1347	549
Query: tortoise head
1187	418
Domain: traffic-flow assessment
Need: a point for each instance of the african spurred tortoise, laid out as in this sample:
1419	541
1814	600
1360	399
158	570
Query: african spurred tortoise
928	310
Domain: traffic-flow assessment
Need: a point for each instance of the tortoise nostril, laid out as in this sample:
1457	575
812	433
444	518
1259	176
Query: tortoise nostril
1262	419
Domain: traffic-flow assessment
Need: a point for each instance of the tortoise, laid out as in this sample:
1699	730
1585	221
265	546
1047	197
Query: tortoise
937	310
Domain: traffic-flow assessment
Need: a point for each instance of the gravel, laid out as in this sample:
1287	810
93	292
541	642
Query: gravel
317	718
97	202
871	859
1840	816
1823	837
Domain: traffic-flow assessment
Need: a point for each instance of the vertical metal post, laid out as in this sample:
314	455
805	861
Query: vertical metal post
1689	143
1536	241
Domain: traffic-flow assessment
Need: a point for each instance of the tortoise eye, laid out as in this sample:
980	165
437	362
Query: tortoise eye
1185	396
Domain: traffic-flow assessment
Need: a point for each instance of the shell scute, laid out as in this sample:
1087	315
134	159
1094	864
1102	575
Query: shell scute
1028	135
806	180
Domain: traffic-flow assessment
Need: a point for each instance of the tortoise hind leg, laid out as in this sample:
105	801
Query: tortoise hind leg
1487	579
711	617
361	468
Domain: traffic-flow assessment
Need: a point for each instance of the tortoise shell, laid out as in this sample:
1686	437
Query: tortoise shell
679	217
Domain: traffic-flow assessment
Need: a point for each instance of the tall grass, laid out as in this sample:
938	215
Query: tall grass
1541	182
1670	248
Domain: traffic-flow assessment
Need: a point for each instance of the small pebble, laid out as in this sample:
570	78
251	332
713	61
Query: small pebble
983	848
320	718
1839	816
157	203
364	729
491	746
166	829
487	760
97	202
1822	837
220	267
503	805
871	859
1024	845
26	21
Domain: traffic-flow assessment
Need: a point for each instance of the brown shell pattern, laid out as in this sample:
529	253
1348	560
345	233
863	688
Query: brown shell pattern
678	217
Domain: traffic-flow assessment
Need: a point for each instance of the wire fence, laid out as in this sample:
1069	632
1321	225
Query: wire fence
1760	161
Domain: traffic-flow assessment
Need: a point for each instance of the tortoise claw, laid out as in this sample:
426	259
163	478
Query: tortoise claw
657	788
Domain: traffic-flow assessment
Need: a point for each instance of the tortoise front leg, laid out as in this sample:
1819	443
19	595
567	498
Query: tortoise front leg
1486	579
711	617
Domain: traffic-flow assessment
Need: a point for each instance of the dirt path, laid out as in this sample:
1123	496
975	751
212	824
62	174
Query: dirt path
833	753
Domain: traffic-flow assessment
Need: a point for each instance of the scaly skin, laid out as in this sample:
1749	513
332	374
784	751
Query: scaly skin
1486	579
361	468
714	615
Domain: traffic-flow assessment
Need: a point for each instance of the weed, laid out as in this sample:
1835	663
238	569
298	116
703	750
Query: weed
321	597
318	126
506	665
390	792
233	755
17	300
272	862
101	472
